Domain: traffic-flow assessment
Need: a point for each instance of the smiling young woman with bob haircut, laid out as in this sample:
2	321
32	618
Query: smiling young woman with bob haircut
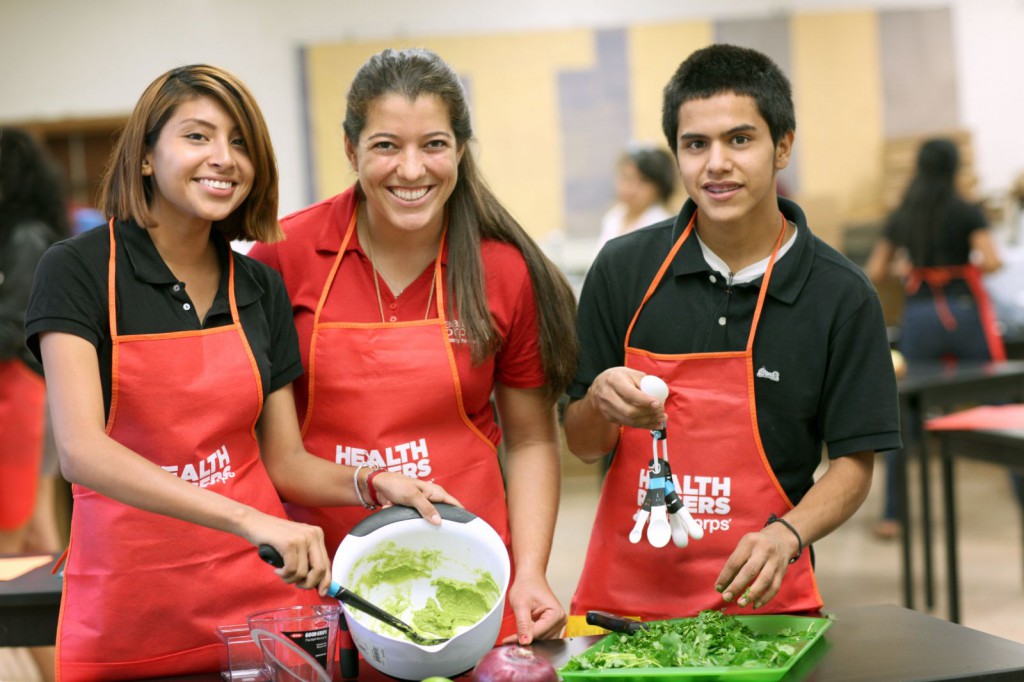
126	193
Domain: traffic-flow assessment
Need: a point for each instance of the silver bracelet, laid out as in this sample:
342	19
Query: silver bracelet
355	484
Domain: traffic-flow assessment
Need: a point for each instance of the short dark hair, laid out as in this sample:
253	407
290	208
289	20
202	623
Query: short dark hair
722	68
656	166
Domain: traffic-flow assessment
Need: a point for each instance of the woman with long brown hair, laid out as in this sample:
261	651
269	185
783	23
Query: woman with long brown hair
417	298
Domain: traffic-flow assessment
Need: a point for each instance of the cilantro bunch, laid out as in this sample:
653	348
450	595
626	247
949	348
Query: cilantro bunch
712	639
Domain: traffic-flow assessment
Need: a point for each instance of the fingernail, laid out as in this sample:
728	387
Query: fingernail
436	519
719	588
727	596
742	601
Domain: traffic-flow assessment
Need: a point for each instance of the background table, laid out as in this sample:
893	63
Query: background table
928	387
29	608
992	434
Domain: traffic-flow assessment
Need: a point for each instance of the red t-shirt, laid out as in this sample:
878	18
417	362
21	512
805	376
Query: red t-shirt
305	258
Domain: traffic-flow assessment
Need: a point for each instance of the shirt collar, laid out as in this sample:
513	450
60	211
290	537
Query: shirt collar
332	233
789	274
147	266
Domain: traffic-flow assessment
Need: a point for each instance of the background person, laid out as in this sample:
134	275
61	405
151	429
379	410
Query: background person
417	297
33	215
939	244
645	182
168	358
771	343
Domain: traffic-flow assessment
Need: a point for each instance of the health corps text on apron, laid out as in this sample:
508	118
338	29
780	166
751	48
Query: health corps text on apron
144	593
722	475
388	394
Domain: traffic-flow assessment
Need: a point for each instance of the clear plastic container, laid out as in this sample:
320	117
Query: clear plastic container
241	658
310	629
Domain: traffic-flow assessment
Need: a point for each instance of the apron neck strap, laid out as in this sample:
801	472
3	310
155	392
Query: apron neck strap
671	256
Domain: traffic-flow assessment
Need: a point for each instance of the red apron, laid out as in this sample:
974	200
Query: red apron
938	278
388	394
144	593
22	416
721	475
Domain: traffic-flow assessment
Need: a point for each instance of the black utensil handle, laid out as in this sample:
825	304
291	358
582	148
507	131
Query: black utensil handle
348	655
610	621
271	556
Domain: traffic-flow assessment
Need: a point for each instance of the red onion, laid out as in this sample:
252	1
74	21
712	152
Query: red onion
513	663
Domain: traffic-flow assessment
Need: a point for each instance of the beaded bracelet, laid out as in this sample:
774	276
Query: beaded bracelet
371	489
772	518
359	493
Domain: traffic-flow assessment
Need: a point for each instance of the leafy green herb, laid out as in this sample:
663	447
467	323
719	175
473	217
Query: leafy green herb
712	639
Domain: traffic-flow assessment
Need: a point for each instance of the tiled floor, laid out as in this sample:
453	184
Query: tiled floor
856	568
853	567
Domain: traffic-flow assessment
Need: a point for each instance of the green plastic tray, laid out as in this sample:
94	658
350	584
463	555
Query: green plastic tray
759	624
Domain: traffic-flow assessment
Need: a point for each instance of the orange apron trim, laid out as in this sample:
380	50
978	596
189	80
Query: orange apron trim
938	278
721	473
196	424
389	394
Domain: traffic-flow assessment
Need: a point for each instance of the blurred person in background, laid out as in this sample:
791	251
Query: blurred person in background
33	215
939	244
646	179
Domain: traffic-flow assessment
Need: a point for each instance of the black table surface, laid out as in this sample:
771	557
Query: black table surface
925	387
865	644
29	606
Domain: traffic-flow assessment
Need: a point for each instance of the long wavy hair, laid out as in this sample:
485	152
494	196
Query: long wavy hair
474	213
32	186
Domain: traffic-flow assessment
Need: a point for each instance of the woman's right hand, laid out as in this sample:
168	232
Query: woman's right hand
306	562
412	492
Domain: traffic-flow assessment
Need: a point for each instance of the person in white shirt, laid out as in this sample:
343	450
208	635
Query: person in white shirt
645	183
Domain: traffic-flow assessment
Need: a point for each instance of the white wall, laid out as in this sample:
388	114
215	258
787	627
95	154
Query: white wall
78	58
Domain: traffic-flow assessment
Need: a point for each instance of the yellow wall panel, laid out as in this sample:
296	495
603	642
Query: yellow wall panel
655	52
839	103
513	83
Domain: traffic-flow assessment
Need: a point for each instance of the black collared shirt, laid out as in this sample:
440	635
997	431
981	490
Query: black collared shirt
821	339
70	295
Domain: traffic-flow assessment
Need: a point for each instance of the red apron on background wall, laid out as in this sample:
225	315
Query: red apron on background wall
22	420
144	593
938	278
388	394
722	476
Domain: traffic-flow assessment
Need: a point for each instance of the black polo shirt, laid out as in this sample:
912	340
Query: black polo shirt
70	295
821	339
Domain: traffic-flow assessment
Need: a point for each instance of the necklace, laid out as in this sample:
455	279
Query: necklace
376	281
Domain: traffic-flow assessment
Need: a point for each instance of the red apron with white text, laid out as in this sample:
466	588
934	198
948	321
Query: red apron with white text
388	394
144	593
22	419
938	278
721	475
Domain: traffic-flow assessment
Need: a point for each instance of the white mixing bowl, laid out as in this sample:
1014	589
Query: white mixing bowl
467	545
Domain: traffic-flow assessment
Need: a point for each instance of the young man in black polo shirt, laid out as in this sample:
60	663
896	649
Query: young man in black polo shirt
772	345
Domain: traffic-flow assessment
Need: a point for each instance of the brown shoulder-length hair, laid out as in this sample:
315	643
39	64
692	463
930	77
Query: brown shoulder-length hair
474	213
125	193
